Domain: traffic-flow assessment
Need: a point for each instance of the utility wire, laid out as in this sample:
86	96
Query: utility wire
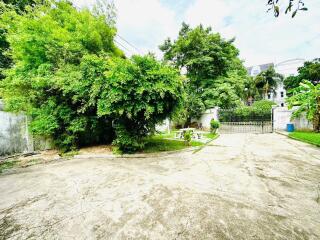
123	39
124	46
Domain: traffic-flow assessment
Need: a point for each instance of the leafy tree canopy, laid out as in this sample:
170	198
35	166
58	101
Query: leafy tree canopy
138	94
309	71
215	73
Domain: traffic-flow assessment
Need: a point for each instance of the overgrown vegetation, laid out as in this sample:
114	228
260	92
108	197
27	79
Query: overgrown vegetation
308	137
77	86
307	98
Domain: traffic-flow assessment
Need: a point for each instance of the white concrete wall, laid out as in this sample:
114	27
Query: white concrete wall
206	117
282	116
14	136
164	127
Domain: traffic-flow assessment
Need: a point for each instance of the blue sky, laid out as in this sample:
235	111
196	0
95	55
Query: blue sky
260	37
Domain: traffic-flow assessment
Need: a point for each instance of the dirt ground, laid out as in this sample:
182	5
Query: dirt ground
239	187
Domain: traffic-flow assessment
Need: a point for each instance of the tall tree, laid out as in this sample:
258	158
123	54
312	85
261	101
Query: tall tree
267	81
309	71
19	6
213	68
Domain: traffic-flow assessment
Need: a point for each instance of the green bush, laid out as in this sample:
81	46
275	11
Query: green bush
187	137
214	125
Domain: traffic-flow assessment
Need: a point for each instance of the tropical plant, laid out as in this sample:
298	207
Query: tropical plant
307	98
251	92
267	81
214	125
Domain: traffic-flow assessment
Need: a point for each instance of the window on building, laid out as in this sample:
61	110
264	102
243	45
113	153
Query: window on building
282	104
282	94
269	95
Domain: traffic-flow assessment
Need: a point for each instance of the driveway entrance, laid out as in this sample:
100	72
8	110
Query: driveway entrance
241	186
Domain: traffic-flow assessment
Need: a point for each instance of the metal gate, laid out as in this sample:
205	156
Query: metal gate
235	121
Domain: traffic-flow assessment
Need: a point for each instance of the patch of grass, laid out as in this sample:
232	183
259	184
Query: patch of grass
69	154
210	135
158	143
7	165
308	137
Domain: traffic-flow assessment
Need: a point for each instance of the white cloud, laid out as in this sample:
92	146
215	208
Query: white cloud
145	23
259	35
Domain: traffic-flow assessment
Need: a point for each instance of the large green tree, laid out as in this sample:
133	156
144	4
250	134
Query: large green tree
307	97
215	74
309	71
267	81
20	7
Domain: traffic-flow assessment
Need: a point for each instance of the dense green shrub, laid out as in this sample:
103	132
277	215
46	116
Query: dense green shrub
187	136
138	93
214	125
259	111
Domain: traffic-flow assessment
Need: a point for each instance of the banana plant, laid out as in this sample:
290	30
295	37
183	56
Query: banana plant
307	98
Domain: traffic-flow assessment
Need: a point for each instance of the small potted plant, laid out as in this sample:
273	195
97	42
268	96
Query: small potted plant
214	125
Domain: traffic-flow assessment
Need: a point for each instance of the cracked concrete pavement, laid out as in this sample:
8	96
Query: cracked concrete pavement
240	186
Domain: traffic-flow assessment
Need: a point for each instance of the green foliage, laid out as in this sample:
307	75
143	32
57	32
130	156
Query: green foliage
215	74
309	137
267	81
138	93
214	125
309	71
60	55
307	98
187	137
70	78
259	111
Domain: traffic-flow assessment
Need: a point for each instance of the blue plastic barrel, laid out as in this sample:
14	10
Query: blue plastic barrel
290	127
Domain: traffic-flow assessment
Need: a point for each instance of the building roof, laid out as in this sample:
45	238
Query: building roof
255	70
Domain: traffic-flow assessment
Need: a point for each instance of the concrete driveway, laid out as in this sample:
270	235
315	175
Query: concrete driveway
239	187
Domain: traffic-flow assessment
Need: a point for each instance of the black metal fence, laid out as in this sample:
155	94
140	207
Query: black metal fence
246	127
237	121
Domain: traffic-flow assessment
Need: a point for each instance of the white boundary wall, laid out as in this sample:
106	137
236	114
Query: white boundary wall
14	135
282	116
206	117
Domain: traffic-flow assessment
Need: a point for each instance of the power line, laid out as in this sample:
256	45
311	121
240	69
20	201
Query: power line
123	39
123	46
